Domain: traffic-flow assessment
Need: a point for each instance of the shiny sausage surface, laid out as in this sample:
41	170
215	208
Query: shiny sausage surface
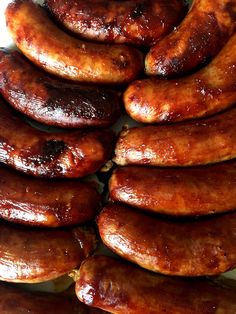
61	54
138	22
28	255
67	154
37	202
200	36
204	93
181	248
191	143
177	192
53	102
121	288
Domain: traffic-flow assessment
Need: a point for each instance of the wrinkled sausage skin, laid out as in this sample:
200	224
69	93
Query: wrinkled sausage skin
191	143
29	255
180	248
52	102
204	93
200	36
67	154
139	22
177	192
31	201
120	288
58	53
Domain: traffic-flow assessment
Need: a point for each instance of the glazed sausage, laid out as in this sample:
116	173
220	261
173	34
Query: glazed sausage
68	154
17	301
52	102
191	143
123	288
37	202
204	93
200	36
177	192
60	54
192	248
138	22
29	255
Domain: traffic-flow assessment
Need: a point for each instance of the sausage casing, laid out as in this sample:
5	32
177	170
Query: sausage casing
60	54
52	102
200	36
67	154
177	192
121	288
192	248
191	143
137	22
29	255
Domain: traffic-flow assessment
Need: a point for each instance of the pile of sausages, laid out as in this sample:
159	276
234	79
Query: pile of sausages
172	193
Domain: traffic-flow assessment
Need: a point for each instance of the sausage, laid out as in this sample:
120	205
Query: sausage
30	256
204	93
53	102
177	192
31	201
67	154
138	22
200	36
191	143
17	301
120	288
180	248
60	54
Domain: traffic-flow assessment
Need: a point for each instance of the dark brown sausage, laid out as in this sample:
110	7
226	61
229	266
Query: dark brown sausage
204	93
123	288
60	54
190	143
37	202
29	255
200	36
17	301
177	192
138	22
181	248
67	154
52	102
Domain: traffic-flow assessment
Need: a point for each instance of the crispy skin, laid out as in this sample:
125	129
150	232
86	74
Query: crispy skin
180	248
140	22
17	301
67	154
52	102
191	143
204	93
123	288
60	54
177	192
200	36
37	202
29	255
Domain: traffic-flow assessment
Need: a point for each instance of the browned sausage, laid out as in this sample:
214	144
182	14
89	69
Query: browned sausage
178	192
200	36
67	154
140	22
29	255
58	53
182	248
53	102
204	93
123	288
37	202
190	143
17	301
